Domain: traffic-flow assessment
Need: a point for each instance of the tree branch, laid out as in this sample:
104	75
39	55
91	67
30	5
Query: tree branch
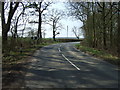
47	4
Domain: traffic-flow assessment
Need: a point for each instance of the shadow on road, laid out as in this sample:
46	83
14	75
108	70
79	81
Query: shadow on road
48	69
52	73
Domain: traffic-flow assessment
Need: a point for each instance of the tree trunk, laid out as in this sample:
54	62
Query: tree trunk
16	25
118	34
54	36
54	30
111	26
94	32
88	33
6	26
104	27
4	36
4	33
40	22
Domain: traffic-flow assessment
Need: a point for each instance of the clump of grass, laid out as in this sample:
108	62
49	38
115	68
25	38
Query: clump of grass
99	53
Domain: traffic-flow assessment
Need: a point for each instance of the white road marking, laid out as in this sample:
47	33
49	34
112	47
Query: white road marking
70	62
59	50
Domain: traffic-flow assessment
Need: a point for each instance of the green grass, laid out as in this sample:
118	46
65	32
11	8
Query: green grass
13	55
100	54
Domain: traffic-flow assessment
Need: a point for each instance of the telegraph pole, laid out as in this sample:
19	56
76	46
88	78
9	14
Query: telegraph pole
67	31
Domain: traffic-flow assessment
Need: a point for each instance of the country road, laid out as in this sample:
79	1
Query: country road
62	66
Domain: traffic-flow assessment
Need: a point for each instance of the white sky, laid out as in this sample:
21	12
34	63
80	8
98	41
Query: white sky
63	32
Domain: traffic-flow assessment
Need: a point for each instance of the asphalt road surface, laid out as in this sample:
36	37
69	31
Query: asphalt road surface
62	66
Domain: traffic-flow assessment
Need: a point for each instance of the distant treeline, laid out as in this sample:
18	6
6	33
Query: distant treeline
68	40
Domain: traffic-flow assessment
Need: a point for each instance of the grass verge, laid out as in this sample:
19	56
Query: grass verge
99	54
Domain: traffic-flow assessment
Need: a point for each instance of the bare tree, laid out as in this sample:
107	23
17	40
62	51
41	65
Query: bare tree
6	23
76	31
17	20
40	8
53	18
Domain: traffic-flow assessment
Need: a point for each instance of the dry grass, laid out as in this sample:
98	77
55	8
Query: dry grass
100	54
